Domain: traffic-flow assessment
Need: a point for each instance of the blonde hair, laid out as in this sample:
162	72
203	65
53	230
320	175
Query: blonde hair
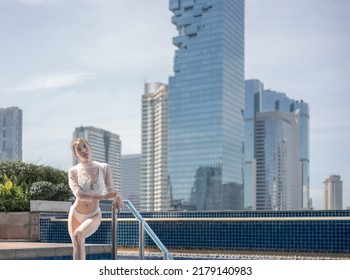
77	141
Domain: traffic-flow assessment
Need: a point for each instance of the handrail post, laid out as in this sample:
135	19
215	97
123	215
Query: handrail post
114	232
141	240
144	227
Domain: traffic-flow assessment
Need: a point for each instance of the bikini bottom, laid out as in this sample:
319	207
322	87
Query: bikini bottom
83	217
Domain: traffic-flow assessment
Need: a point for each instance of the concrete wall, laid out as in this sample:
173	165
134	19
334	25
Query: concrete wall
49	206
19	226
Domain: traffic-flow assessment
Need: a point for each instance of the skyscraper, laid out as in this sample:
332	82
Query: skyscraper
304	149
131	179
105	146
253	93
206	102
283	125
277	170
333	193
154	184
11	133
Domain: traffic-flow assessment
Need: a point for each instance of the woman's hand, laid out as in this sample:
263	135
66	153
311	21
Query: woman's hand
111	194
118	202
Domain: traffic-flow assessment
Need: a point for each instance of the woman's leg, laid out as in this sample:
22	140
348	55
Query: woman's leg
73	224
79	232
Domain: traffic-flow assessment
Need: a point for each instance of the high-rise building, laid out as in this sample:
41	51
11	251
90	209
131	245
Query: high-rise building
154	184
206	102
284	123
253	92
333	193
277	172
304	149
131	179
105	146
11	134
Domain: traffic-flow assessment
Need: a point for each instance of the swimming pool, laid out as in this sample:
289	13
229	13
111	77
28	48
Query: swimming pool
294	231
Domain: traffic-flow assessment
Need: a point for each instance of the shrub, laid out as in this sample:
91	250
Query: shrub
20	182
13	197
48	191
62	192
26	174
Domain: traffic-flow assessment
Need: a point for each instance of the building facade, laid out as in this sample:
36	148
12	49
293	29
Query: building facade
155	194
131	179
206	102
333	193
253	91
283	125
105	146
277	172
302	109
11	120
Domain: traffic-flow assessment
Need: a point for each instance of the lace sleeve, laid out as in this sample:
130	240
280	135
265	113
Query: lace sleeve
76	189
109	179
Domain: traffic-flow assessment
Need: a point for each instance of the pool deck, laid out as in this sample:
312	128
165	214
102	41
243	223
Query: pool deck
14	250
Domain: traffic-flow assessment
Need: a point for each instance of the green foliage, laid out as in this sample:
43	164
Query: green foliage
13	197
41	190
47	191
20	182
62	192
21	173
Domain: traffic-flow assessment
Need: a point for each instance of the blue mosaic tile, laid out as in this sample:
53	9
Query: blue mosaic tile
331	235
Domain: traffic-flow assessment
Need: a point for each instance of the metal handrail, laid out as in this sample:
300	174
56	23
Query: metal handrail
143	226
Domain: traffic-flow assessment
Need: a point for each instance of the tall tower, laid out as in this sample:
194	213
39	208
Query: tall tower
253	92
302	109
155	195
333	193
206	102
105	146
11	133
258	102
277	170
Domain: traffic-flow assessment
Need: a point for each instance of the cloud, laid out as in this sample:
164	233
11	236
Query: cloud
53	81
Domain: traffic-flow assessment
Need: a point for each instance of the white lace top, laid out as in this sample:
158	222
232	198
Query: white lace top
85	180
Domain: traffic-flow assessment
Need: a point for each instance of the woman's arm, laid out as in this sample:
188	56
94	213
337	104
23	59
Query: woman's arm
111	189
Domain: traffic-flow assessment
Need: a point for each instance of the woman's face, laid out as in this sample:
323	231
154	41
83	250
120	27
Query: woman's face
83	151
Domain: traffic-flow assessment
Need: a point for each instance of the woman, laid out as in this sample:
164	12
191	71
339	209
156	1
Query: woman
90	181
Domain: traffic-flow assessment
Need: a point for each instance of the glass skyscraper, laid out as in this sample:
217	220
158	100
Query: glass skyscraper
304	149
277	172
11	133
206	102
276	150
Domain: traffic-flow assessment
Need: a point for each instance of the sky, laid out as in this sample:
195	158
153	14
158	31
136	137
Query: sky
71	63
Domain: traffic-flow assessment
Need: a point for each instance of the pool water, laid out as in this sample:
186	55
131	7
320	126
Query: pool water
187	256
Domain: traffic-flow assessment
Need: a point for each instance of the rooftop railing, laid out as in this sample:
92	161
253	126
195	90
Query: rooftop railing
143	227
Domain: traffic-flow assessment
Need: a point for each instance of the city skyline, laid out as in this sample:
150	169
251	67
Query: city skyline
67	64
